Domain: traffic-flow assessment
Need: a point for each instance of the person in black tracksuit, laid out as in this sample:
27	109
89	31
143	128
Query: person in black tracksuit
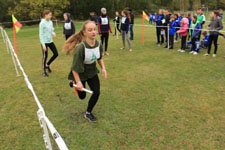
167	21
117	21
159	29
68	26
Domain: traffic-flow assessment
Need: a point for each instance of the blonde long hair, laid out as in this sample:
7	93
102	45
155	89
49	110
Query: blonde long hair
70	44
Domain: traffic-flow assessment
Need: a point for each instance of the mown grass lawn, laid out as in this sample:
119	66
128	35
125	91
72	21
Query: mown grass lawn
154	98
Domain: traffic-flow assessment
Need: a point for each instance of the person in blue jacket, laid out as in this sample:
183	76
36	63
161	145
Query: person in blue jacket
124	28
150	18
160	20
154	16
172	31
205	41
194	31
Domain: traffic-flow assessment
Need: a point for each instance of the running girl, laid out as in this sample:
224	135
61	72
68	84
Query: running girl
46	33
68	27
104	27
125	29
87	51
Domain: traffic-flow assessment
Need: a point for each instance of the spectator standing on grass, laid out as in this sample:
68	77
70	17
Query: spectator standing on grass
167	22
200	19
214	27
131	17
117	21
159	29
184	33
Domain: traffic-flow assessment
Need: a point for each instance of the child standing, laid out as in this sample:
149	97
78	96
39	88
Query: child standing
117	21
214	26
159	29
184	32
46	34
104	28
87	51
125	29
172	31
68	27
194	32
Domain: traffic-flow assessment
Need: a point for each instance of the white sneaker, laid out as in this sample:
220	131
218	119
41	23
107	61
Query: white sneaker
182	51
191	52
179	50
195	53
175	41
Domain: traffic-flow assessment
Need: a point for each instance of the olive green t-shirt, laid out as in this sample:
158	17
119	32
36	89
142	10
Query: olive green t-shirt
86	71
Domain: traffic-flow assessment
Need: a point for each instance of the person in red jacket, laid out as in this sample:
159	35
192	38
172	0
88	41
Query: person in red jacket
104	28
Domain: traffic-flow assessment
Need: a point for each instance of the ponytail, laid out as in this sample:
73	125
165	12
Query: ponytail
70	45
72	42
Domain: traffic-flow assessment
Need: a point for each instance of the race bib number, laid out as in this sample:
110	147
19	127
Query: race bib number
105	21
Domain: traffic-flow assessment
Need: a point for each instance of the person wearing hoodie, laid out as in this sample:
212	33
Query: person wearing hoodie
104	28
184	32
194	32
46	34
214	27
68	26
160	20
172	31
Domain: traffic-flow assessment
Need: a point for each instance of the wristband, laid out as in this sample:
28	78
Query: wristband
103	69
78	82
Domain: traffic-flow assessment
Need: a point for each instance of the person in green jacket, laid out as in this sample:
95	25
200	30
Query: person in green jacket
46	34
200	19
87	51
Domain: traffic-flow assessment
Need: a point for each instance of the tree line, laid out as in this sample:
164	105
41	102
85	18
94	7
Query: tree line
79	9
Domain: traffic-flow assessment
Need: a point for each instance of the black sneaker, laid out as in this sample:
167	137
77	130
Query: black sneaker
166	47
90	117
48	68
44	74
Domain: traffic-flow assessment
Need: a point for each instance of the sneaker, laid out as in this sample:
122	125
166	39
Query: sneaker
103	54
48	68
206	54
191	52
122	48
90	117
182	51
130	49
195	53
171	48
214	55
106	53
158	44
44	74
175	41
179	50
166	47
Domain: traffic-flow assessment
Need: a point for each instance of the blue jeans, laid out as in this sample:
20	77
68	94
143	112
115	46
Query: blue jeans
131	32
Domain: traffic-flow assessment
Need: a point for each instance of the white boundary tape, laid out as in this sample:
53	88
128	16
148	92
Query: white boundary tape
44	121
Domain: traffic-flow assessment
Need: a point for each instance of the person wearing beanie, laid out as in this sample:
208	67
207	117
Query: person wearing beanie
104	28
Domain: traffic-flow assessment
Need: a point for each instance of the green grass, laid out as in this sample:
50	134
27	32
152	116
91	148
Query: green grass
153	99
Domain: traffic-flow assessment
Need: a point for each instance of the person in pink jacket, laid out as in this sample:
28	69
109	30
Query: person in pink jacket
184	33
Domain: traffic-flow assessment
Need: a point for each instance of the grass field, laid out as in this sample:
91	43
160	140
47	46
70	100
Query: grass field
153	99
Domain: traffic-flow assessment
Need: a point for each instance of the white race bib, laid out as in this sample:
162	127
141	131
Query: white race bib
124	19
67	26
91	54
105	21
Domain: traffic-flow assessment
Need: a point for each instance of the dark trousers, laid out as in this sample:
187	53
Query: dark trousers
94	85
166	34
117	28
105	37
193	41
131	31
45	54
67	36
213	38
158	33
171	41
183	42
